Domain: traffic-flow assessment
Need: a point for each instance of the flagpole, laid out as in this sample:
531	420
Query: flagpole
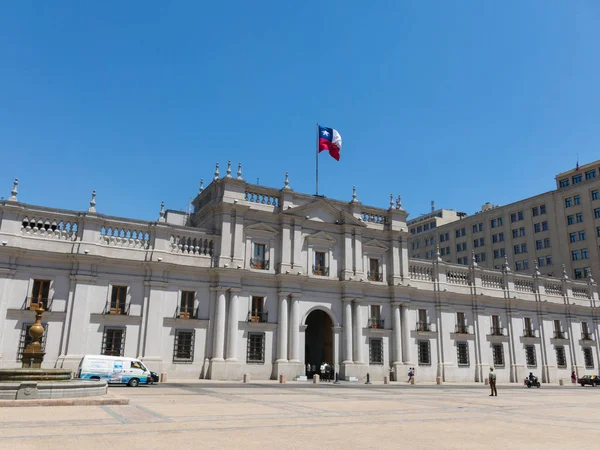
317	162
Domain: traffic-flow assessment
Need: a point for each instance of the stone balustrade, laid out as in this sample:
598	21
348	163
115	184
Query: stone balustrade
114	234
189	244
262	197
372	216
50	228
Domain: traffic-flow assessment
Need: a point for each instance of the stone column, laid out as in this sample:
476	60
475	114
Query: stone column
294	350
219	332
397	332
282	328
358	337
406	340
232	325
347	331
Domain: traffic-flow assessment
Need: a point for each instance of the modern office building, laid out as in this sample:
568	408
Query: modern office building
556	228
268	281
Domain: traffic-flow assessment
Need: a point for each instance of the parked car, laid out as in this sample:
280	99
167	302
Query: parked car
114	369
593	380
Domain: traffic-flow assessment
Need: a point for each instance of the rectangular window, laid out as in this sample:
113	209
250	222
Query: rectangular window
426	227
544	226
535	211
25	338
257	312
568	202
537	227
570	220
598	231
500	237
588	357
255	352
462	357
596	213
561	359
578	273
584	253
375	320
575	255
183	346
463	231
579	216
577	178
498	353
186	304
558	333
528	327
576	200
530	356
496	328
259	261
549	260
513	217
422	325
572	237
585	332
118	299
376	351
319	268
113	341
539	244
374	271
458	247
461	323
541	261
542	209
595	194
516	249
424	353
581	235
39	294
563	183
547	243
457	233
590	174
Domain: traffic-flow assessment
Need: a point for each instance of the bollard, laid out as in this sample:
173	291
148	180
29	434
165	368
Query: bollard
368	379
163	377
337	379
412	380
438	380
386	380
282	379
316	378
487	381
246	377
561	382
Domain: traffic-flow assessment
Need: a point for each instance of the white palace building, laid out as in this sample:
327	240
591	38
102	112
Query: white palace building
265	281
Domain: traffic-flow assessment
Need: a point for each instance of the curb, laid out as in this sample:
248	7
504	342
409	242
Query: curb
86	401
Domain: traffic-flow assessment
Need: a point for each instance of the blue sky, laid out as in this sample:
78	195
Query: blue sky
459	102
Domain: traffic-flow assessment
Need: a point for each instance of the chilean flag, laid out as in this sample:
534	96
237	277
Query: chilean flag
330	139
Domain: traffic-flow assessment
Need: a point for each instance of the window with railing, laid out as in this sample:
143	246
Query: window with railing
375	320
462	357
588	358
561	358
118	300
376	351
585	332
113	341
320	267
183	346
25	338
374	273
186	304
424	353
257	312
530	356
496	329
255	353
558	332
39	294
461	323
422	323
528	328
259	259
498	355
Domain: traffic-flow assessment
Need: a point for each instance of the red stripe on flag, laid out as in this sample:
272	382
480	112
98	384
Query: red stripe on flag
333	149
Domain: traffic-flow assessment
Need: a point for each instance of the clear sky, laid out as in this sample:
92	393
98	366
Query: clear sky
460	102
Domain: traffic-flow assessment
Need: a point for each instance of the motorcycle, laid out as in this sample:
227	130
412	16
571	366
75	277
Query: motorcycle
535	382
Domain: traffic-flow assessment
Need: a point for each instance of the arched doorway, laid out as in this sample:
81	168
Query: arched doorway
318	346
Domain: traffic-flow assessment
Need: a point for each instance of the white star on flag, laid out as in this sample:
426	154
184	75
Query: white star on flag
325	133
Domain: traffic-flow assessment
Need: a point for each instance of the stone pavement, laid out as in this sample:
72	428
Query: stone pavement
211	415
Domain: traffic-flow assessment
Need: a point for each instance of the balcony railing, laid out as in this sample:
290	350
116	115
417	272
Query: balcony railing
116	310
462	329
375	276
258	316
320	270
559	334
262	264
496	331
376	322
586	336
529	333
423	326
185	312
34	302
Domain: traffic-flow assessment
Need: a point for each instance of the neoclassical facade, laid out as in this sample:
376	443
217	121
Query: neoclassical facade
267	281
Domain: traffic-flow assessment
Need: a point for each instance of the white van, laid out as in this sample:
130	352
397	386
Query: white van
114	369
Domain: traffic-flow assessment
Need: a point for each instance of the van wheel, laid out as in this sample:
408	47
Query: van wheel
134	382
95	378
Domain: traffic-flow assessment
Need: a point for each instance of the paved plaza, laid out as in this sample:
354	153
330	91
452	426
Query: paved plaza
303	416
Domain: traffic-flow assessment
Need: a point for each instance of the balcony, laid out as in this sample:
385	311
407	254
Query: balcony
320	271
462	329
496	331
423	326
375	276
258	316
32	303
376	322
119	309
185	312
529	333
586	336
559	334
260	264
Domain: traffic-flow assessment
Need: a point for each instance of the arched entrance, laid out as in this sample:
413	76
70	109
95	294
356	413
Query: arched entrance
318	346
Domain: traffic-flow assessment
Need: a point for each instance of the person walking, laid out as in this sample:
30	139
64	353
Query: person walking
411	374
573	378
492	380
